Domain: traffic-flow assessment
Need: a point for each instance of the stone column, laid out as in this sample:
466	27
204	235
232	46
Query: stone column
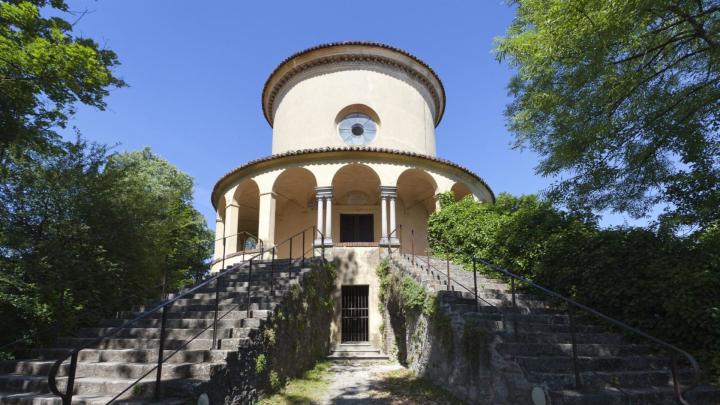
386	193
266	219
395	233
219	234
325	194
232	214
319	227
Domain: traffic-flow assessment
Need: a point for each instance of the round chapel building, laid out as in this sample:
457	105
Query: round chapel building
353	163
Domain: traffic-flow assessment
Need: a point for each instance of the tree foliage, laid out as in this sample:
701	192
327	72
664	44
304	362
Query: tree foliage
45	70
621	99
82	234
654	280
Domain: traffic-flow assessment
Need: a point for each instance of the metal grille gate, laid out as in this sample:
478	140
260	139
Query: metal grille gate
354	313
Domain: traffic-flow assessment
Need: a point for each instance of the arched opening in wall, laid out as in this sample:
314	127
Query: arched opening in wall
295	210
247	199
416	201
460	191
356	206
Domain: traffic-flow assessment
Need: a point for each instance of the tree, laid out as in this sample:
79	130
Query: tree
84	233
621	99
45	71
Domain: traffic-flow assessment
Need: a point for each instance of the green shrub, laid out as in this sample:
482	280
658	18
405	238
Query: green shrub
664	284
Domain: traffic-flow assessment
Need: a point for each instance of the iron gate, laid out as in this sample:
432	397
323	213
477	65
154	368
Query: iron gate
354	313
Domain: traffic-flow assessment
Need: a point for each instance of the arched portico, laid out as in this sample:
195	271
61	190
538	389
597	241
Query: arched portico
295	209
460	190
356	216
416	192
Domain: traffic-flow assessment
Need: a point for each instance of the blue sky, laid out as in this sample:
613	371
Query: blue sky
196	71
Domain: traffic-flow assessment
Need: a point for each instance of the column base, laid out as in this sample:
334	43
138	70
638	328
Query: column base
394	241
383	241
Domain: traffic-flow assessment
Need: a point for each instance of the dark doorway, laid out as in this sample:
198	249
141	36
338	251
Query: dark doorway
354	313
356	228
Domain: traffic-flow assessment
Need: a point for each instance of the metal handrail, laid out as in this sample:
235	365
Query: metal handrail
397	232
73	354
474	290
678	390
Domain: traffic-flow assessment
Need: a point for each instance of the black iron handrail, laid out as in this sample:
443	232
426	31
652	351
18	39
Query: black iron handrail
572	304
395	232
73	354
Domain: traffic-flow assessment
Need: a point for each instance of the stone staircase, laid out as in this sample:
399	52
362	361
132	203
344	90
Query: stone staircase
356	351
109	367
536	338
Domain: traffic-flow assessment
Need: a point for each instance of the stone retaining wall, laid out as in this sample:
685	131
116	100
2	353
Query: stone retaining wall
289	342
450	347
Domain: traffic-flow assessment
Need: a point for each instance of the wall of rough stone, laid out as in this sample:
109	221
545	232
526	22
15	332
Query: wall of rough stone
450	347
289	342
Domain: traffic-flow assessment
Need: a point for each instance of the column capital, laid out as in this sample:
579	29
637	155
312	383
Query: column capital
388	191
324	192
272	193
232	205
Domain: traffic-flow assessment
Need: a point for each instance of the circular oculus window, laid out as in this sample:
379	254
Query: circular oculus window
357	129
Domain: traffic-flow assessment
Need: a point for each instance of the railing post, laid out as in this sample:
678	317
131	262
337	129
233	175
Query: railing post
322	245
223	254
67	400
272	271
290	261
161	350
514	307
571	321
412	244
248	288
474	262
303	249
447	261
215	316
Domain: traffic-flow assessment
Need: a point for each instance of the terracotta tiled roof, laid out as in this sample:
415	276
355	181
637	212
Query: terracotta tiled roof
347	149
440	100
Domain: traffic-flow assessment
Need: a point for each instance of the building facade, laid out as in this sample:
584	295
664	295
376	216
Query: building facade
353	159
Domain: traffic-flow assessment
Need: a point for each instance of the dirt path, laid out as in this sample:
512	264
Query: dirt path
359	382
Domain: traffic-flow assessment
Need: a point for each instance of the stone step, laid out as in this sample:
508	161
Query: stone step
92	385
622	379
154	333
34	398
557	337
135	343
180	323
120	355
702	395
356	351
240	314
508	326
587	363
258	302
559	349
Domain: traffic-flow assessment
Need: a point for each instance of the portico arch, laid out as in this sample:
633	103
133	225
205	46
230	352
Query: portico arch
295	209
241	224
460	191
416	191
356	205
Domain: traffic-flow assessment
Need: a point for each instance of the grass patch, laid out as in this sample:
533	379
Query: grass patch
402	387
304	390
